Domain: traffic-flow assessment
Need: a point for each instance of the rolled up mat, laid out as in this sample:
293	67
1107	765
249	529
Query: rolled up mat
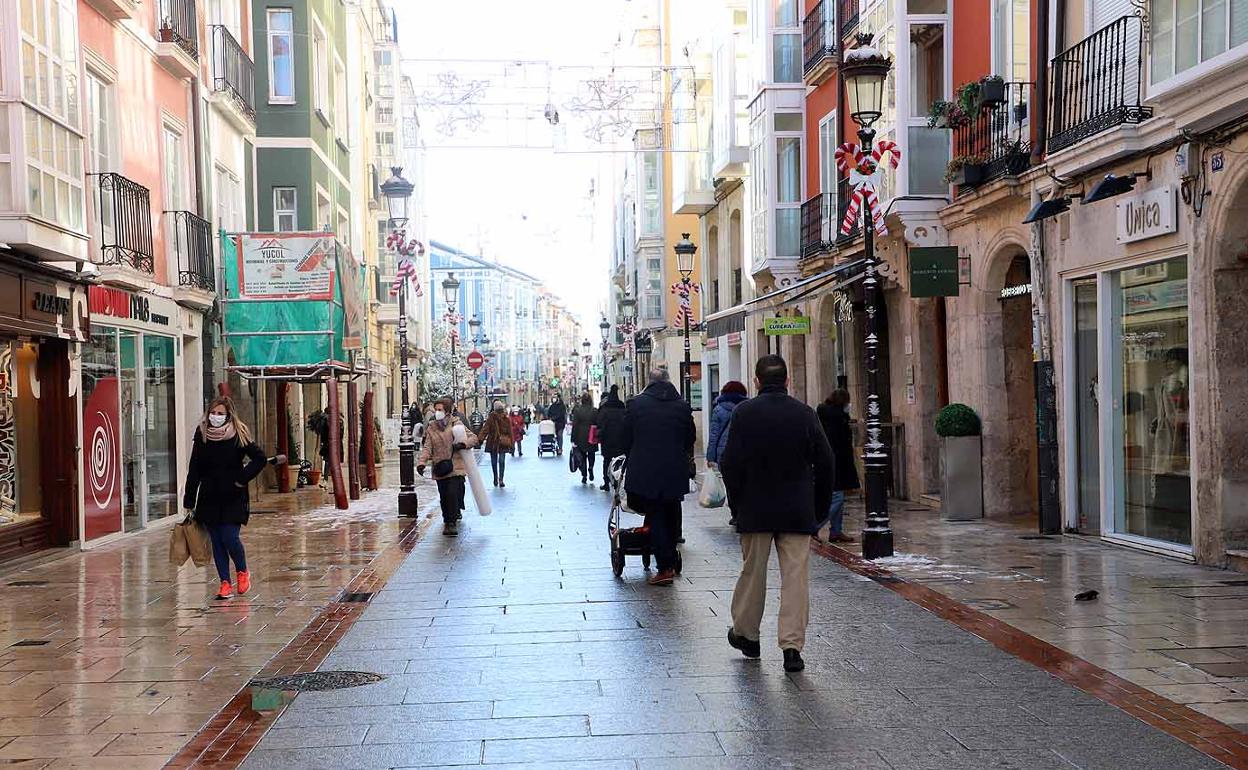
459	433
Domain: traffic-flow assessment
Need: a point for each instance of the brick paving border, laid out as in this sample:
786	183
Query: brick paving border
227	739
1205	734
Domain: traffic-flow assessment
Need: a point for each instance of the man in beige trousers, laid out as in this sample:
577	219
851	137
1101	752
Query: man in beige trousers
778	469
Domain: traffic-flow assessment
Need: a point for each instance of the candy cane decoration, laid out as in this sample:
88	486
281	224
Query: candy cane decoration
685	303
863	171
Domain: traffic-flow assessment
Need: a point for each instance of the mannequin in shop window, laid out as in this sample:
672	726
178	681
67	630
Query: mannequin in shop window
1171	447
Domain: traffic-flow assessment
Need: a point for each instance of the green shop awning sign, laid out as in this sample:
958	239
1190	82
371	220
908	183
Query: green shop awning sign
794	324
934	271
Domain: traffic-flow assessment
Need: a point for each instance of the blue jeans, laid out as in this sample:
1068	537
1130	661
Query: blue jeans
227	543
498	464
836	515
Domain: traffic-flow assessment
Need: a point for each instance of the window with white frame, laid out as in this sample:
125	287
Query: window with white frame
340	101
789	170
226	13
101	141
1188	32
1011	39
653	303
174	162
285	210
281	55
320	69
229	198
651	194
827	153
786	42
324	212
49	77
758	186
343	231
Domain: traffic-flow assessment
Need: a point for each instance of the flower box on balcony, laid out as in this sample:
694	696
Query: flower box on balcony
991	91
969	175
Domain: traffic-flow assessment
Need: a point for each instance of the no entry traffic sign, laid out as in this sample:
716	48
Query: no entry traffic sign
475	360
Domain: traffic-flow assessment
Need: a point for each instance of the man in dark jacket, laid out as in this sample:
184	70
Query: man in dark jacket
778	471
611	415
558	414
835	421
659	436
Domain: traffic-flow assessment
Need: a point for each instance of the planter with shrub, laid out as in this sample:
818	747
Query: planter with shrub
962	484
992	90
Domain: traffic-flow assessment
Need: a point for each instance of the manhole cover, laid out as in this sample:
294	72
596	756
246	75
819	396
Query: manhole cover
28	583
355	596
30	643
317	681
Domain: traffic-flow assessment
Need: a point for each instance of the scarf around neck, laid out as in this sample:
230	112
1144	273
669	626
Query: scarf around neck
224	433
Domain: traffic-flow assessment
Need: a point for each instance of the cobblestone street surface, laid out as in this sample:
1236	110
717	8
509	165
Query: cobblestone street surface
513	645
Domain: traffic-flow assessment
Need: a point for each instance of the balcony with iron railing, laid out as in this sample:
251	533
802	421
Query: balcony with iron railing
996	141
179	25
1098	84
818	224
819	42
190	240
233	72
125	235
849	17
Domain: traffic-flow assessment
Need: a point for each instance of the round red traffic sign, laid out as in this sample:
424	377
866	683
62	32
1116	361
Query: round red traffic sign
475	360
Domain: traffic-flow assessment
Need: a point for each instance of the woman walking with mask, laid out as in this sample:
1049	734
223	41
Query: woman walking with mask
441	449
223	462
496	433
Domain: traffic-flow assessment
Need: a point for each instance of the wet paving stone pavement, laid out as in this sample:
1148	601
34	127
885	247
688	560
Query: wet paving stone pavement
514	646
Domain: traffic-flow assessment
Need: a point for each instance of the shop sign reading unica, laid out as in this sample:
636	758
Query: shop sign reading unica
1147	214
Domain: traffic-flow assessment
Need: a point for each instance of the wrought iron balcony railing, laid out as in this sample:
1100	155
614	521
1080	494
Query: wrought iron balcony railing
191	239
180	25
125	211
997	140
233	71
849	17
1098	83
818	35
818	224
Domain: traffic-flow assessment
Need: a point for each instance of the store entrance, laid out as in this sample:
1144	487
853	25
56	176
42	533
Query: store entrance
1019	431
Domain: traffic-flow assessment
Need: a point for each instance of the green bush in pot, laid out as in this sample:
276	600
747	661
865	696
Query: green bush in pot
957	420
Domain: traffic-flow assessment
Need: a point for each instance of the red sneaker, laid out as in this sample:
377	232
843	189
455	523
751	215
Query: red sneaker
244	582
226	590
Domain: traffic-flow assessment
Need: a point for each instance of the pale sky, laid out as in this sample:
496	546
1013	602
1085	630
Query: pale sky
531	209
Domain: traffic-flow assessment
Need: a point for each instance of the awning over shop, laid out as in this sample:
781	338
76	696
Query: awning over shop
725	325
839	277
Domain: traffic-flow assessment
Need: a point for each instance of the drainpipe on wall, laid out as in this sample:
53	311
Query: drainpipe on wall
1041	126
1045	384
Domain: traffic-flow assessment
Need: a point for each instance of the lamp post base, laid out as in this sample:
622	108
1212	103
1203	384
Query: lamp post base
409	504
877	544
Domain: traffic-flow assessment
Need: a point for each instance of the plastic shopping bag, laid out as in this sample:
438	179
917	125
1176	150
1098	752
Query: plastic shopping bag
713	493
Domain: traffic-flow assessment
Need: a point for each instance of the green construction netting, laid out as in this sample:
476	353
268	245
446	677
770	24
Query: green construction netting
305	326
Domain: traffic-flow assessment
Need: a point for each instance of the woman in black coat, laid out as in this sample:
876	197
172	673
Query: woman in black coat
224	460
835	422
611	416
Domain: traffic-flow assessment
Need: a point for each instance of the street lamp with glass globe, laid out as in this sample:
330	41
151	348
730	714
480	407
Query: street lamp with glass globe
865	70
450	295
604	326
398	192
685	251
628	325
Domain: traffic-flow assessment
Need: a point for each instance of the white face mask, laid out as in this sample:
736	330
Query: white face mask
217	420
439	415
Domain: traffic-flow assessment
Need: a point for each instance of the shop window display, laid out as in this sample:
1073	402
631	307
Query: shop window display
1152	410
20	497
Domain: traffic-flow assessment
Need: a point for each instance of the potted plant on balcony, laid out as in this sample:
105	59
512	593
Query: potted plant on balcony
966	170
1020	112
992	90
944	114
961	454
1017	158
967	99
318	425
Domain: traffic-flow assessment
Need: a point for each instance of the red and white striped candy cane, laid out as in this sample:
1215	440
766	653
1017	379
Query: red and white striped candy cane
848	155
886	147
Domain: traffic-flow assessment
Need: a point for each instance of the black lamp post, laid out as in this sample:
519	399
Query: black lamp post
628	325
450	294
474	329
604	326
685	251
398	191
865	71
588	358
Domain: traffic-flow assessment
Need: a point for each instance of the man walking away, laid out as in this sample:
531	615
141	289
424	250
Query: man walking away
558	414
611	415
778	470
834	418
659	433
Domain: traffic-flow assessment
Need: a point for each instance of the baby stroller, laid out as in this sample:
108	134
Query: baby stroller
627	541
546	441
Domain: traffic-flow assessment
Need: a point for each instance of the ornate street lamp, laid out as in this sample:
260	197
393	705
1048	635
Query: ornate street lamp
685	251
398	192
604	326
865	70
450	294
628	324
